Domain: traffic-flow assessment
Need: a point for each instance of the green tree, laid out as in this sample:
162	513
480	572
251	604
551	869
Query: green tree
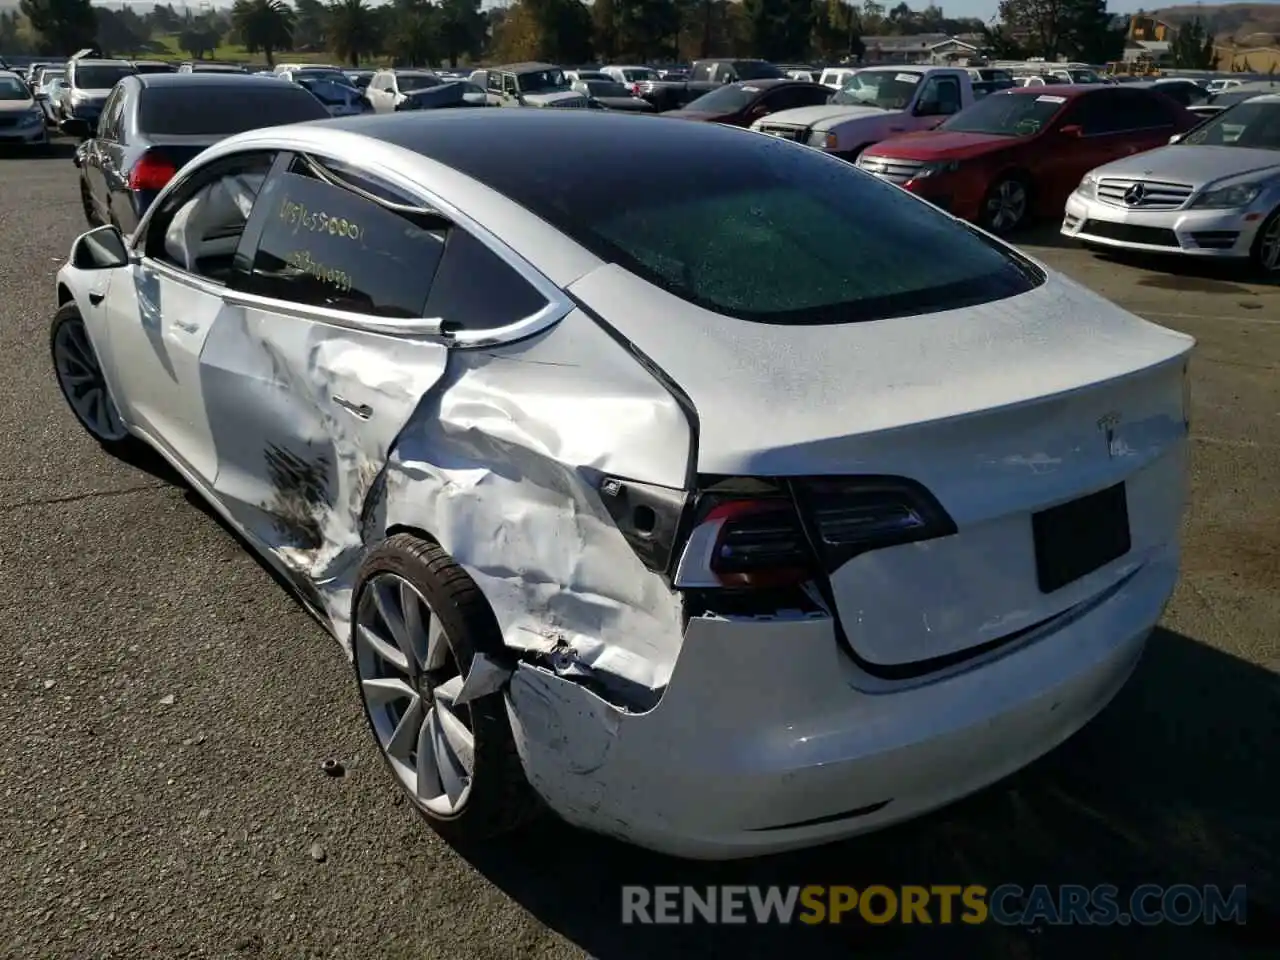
352	30
1192	47
836	30
646	29
780	29
309	19
61	26
1077	29
604	29
412	34
460	27
200	39
264	26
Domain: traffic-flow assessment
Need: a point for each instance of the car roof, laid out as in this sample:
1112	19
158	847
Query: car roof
768	83
1068	90
478	143
102	62
201	80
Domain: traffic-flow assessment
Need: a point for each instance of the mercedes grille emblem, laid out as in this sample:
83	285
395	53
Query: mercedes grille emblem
1133	196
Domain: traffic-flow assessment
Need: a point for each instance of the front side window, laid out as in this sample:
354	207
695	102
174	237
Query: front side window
886	89
324	245
770	233
198	226
1253	124
1007	115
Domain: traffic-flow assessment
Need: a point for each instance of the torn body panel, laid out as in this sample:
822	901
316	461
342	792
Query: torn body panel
501	464
303	415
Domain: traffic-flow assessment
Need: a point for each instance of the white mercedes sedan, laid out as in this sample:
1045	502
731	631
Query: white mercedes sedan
732	511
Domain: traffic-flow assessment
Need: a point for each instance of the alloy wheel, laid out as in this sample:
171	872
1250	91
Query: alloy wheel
1006	206
409	681
82	382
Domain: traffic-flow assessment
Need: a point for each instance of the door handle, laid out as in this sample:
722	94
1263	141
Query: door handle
96	298
361	411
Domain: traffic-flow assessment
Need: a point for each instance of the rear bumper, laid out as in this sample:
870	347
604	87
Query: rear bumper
769	739
1223	234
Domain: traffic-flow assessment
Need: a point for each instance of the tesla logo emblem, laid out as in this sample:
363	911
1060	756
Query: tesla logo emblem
1133	196
1108	424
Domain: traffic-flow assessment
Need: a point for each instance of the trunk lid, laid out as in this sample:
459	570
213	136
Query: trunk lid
1000	411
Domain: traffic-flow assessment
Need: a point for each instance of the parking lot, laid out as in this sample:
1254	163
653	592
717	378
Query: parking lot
167	708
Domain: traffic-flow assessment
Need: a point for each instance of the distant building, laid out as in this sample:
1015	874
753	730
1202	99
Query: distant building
933	48
1148	39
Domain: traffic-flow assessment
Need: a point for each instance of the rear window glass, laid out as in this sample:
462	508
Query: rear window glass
100	77
770	232
196	109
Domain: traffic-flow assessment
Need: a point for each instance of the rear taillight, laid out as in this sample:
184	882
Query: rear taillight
151	172
808	528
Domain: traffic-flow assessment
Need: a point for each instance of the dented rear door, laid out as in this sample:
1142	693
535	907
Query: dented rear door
324	357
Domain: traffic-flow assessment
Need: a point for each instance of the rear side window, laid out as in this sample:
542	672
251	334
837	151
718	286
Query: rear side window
771	233
212	108
325	246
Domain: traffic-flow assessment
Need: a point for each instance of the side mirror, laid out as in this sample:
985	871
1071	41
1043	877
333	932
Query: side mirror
1177	138
75	127
100	249
1072	130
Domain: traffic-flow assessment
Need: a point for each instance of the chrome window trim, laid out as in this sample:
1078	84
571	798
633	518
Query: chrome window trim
558	305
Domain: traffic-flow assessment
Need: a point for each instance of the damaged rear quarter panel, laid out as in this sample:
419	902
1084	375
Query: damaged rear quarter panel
496	464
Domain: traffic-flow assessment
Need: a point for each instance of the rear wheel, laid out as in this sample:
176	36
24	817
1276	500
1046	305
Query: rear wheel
419	621
1266	247
1006	206
80	377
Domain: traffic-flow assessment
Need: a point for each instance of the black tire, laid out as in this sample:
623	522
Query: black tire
127	446
501	799
1256	254
987	218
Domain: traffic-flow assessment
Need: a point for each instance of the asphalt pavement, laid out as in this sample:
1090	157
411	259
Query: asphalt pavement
167	709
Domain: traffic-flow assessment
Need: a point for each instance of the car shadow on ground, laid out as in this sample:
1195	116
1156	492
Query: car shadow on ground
1168	785
54	150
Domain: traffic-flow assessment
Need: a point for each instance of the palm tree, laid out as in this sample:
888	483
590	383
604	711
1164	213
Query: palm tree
264	25
352	30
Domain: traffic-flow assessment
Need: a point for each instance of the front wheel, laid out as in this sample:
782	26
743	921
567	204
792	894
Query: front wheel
418	622
80	377
1266	247
1006	205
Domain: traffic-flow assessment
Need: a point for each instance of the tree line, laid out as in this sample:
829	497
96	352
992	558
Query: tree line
429	32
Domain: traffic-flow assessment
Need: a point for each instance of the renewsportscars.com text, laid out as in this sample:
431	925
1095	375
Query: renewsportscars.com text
1008	905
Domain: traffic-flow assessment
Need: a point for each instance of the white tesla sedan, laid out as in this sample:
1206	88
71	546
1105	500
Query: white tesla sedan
734	510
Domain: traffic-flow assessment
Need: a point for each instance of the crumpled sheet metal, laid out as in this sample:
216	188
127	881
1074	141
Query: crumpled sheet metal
295	466
492	466
490	452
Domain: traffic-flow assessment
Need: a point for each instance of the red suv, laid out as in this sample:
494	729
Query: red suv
1018	154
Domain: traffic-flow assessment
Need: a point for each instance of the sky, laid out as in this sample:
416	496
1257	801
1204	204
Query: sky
982	9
